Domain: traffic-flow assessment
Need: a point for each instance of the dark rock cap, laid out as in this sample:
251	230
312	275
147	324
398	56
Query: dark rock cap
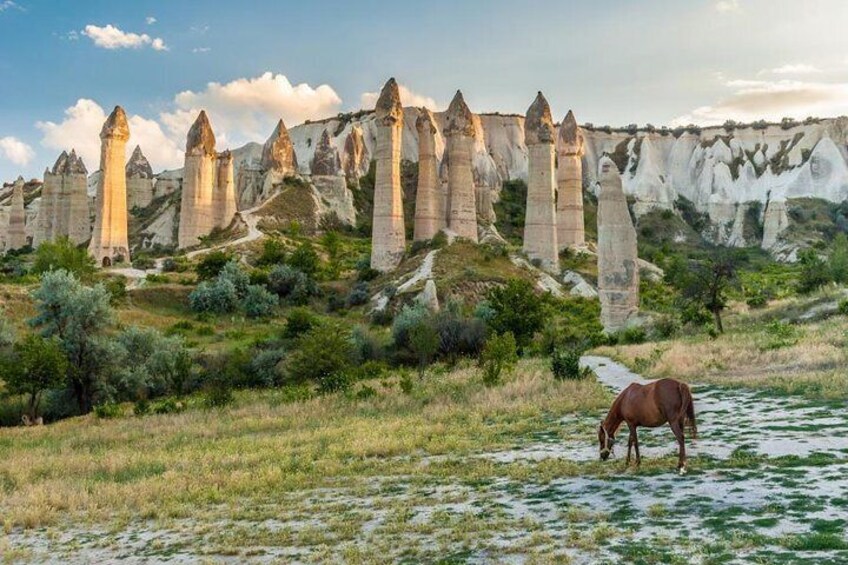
278	151
201	136
458	119
388	106
116	125
138	166
539	124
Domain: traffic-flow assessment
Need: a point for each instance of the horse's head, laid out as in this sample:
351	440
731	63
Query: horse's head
606	440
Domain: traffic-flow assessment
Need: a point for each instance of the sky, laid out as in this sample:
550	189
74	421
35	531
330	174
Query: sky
65	65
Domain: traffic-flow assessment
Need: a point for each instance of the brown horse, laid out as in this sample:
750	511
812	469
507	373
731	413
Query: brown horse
650	405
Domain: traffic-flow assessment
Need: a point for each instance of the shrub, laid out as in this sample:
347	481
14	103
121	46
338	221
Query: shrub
258	302
843	307
305	259
565	364
499	355
631	335
143	263
63	255
108	411
264	365
291	284
36	365
517	310
117	288
273	252
366	346
408	318
367	274
358	294
665	326
299	321
211	264
323	355
219	297
424	343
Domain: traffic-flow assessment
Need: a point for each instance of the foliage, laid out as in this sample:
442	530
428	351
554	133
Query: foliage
323	355
305	259
424	343
499	355
814	272
565	364
575	323
61	254
211	264
36	365
838	259
704	283
273	252
517	310
231	291
258	302
332	244
358	295
143	263
151	364
292	285
511	209
299	321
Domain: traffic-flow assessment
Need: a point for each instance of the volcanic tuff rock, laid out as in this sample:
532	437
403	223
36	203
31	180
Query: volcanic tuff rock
570	228
197	214
775	222
15	233
109	239
429	202
540	229
224	195
355	155
139	180
459	130
278	153
63	209
325	161
618	271
388	239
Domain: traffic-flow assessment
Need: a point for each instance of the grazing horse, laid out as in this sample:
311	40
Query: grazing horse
650	405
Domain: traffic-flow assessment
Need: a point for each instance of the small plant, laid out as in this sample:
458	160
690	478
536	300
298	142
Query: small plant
565	364
141	407
365	392
108	411
500	355
843	307
406	383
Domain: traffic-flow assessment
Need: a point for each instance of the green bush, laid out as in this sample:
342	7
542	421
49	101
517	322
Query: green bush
108	411
565	364
323	355
291	285
499	355
211	264
143	263
273	252
63	255
305	259
630	336
299	321
258	302
843	307
517	310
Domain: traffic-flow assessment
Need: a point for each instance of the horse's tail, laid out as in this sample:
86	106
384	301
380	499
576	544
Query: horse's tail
687	410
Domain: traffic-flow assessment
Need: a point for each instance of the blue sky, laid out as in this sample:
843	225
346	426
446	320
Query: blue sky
66	64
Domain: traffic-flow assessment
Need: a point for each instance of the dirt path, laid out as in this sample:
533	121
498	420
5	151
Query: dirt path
768	483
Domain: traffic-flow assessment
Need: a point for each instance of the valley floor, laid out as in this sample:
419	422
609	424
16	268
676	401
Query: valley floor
452	472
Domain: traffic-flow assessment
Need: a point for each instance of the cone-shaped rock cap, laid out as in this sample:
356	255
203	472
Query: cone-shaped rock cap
19	181
116	125
609	176
225	156
539	124
138	166
278	151
388	104
61	164
425	122
458	119
200	136
569	131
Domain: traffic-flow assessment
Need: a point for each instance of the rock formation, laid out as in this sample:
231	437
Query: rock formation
355	158
618	271
428	297
109	238
197	215
388	238
570	229
257	177
278	152
540	227
429	214
775	222
459	130
224	195
326	160
63	209
16	233
139	180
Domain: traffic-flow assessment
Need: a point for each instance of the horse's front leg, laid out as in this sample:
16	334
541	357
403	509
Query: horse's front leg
629	447
636	445
677	428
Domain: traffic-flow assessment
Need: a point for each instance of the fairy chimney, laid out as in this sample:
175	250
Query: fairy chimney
459	131
64	209
570	230
197	216
618	271
109	240
139	180
355	156
429	215
540	229
278	152
326	160
16	233
224	195
388	237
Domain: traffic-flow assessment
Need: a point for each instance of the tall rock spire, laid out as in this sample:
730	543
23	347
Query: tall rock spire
618	270
63	210
355	156
16	234
109	241
459	131
224	197
197	216
540	229
325	161
139	180
570	228
388	237
278	152
429	214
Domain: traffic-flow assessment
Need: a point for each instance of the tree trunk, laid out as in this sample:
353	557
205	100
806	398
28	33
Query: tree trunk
717	317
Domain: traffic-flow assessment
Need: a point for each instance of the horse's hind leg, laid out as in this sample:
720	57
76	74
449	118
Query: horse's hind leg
636	445
677	429
630	441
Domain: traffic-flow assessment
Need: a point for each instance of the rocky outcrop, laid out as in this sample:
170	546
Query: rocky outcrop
109	239
64	207
197	214
429	211
224	196
618	271
326	160
16	232
139	180
570	229
257	176
278	152
355	157
388	240
460	132
775	222
429	298
540	227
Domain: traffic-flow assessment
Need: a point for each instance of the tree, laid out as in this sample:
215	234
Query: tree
424	343
151	364
333	243
324	355
36	365
211	264
77	316
838	259
705	283
62	254
498	355
518	310
814	272
305	259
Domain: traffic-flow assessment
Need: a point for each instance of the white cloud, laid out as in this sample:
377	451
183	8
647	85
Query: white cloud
16	151
111	37
246	109
201	50
725	6
80	130
752	100
150	20
794	69
407	98
8	5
